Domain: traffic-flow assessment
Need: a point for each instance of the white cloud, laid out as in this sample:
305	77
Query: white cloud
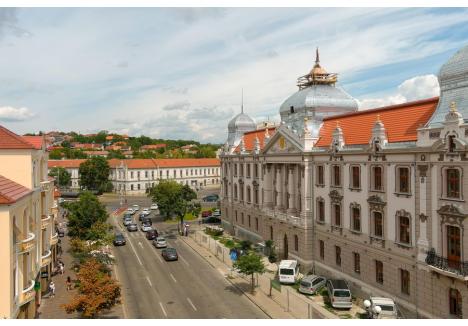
416	88
8	113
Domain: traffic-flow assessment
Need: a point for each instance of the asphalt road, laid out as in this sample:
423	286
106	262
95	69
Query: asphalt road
187	288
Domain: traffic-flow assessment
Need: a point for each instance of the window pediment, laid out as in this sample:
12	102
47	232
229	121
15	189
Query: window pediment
451	211
376	203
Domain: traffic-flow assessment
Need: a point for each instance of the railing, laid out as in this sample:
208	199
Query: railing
459	268
27	244
54	239
46	258
28	293
294	220
45	219
45	185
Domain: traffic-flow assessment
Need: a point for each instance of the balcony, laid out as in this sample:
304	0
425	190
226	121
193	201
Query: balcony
54	239
45	186
293	220
27	294
46	258
27	244
445	266
45	221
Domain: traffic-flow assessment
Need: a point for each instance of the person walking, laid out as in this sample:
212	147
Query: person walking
62	268
52	289
69	283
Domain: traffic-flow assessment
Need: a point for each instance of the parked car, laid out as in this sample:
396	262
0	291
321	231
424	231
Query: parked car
146	220
146	210
152	234
170	254
339	294
143	215
136	207
211	198
130	211
160	242
310	284
119	240
388	308
61	233
127	221
211	220
206	213
132	227
127	215
145	227
154	206
217	213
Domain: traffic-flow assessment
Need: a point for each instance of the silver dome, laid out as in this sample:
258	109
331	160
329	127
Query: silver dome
238	125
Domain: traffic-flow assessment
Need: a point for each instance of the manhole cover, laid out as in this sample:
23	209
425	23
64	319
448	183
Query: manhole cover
170	302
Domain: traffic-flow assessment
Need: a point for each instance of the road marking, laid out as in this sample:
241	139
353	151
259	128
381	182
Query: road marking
140	244
133	248
183	259
122	300
191	303
149	282
162	308
173	278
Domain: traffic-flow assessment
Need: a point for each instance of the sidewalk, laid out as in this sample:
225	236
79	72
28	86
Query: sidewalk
268	306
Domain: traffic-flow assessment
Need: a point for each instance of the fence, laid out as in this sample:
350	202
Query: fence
298	305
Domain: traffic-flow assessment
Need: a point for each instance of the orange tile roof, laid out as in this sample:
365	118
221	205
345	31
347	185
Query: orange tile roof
11	191
65	163
156	146
10	140
36	141
400	121
249	138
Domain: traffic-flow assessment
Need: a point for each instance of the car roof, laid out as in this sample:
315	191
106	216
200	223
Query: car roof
288	264
339	284
311	277
381	300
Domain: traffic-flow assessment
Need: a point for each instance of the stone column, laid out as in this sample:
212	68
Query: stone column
422	243
267	186
291	188
297	186
279	186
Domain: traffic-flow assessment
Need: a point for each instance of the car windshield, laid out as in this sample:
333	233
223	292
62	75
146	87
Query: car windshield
386	307
170	251
306	284
161	239
341	293
286	271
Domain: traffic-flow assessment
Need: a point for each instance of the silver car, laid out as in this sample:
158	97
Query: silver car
145	227
127	221
160	242
310	284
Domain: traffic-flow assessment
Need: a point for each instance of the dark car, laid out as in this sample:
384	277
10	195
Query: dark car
61	233
132	227
211	198
119	240
146	220
211	220
170	254
142	216
152	234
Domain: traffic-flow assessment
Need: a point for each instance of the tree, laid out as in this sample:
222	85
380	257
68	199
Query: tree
62	176
94	174
173	199
249	265
97	290
84	214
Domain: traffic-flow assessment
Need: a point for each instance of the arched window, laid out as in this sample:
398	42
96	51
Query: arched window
404	229
248	194
235	191
296	243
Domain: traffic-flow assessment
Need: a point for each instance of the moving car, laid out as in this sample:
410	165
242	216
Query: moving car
154	206
217	213
339	294
146	211
143	215
170	254
136	207
119	240
211	220
130	211
151	234
61	233
388	308
311	284
146	220
145	227
211	198
160	242
127	215
132	227
127	221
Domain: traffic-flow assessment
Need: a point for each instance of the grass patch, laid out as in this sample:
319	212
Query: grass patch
346	316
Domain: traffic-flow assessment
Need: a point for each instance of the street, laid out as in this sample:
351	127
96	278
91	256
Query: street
187	288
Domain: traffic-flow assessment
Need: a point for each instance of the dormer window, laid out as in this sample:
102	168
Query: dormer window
451	144
291	109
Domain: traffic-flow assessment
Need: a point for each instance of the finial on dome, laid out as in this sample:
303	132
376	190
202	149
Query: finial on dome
453	107
317	56
338	124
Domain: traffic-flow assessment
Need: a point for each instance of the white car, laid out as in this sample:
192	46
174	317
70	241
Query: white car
136	207
145	228
146	211
130	211
154	206
216	213
160	242
388	308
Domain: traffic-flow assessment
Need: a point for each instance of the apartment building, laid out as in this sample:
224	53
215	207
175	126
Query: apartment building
376	197
28	247
137	176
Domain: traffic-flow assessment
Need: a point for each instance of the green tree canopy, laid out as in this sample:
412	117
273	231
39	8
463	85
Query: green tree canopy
249	265
86	217
94	174
62	176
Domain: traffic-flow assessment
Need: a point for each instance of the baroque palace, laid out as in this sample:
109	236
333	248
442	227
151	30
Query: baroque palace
376	197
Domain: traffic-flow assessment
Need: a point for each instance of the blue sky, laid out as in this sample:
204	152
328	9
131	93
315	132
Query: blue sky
178	73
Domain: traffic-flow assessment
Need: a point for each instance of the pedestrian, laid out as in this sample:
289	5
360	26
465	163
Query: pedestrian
52	289
62	268
69	283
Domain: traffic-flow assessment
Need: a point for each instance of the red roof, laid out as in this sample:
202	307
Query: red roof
10	140
65	163
249	138
36	141
400	121
156	146
11	191
148	163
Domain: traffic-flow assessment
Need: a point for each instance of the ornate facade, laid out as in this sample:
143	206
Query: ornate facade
375	197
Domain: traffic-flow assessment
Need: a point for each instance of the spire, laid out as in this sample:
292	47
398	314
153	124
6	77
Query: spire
242	101
453	107
317	57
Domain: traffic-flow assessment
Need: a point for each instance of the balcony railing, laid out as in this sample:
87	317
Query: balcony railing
27	294
45	220
45	185
294	220
27	244
46	258
54	239
459	268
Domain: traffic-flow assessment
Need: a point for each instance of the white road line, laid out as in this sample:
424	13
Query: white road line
149	282
162	308
183	259
173	278
133	248
140	244
191	303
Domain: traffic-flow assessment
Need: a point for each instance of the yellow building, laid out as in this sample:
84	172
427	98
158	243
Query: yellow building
28	239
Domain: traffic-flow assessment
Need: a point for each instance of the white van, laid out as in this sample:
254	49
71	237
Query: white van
288	271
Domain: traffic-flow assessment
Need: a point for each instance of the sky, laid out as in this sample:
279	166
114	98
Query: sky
178	73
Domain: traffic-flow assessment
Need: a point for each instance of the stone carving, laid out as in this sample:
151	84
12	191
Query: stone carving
376	203
335	196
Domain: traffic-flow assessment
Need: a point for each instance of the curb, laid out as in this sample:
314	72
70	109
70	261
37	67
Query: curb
247	296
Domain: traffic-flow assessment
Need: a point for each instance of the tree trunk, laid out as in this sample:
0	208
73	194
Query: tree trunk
253	284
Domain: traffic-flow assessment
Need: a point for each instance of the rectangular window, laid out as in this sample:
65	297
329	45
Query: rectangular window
356	216
146	174
336	175
453	183
378	224
337	210
321	210
403	180
404	229
131	175
379	271
377	178
320	177
405	281
242	218
357	263
356	177
248	218
322	249
338	255
247	166
256	223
